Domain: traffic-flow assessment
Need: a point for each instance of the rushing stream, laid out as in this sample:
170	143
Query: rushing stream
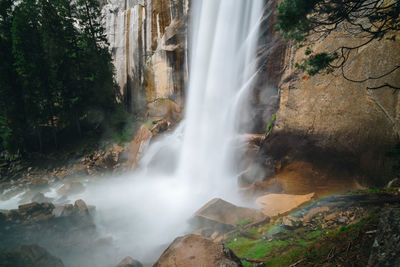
146	210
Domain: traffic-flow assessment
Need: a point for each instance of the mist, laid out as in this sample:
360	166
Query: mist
140	213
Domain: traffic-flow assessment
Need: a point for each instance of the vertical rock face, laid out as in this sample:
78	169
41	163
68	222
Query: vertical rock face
342	116
333	129
263	101
148	44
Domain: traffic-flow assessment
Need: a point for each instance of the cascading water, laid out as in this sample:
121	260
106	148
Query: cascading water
179	173
222	61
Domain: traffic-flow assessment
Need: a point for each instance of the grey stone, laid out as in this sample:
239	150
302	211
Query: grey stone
129	262
41	198
32	256
386	247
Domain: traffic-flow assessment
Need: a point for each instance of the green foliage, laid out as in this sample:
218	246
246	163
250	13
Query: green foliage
369	19
292	18
53	75
314	234
317	62
271	123
243	222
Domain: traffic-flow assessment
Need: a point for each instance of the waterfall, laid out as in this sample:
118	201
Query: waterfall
186	168
223	53
144	211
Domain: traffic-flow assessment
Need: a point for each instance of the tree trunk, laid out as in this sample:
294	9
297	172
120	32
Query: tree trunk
39	135
54	130
78	125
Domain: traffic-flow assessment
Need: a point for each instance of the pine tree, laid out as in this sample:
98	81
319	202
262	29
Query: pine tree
11	102
55	68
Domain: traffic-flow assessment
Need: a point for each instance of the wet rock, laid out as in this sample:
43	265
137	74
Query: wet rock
164	108
255	139
137	145
221	215
291	222
394	183
160	126
105	161
65	228
274	204
39	182
129	262
314	212
40	198
253	174
80	208
194	250
342	220
80	211
71	188
250	163
386	247
31	213
32	256
63	211
269	186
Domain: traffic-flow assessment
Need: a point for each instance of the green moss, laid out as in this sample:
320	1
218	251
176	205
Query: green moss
314	234
286	247
316	252
271	123
148	124
252	231
254	249
243	222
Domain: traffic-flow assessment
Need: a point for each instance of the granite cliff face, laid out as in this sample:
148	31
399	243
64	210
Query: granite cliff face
325	126
149	47
329	128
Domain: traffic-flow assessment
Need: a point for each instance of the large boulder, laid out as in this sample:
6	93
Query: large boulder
49	226
71	188
275	204
194	250
30	213
32	256
129	262
220	215
78	214
41	198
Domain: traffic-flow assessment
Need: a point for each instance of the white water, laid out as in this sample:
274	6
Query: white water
190	166
194	164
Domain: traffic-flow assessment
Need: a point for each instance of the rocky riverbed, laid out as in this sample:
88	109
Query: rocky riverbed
44	223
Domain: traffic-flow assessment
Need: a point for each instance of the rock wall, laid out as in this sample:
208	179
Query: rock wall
149	48
264	100
335	125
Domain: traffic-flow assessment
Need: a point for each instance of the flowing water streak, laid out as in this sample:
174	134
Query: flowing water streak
223	53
